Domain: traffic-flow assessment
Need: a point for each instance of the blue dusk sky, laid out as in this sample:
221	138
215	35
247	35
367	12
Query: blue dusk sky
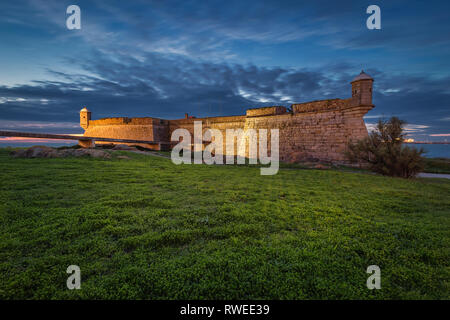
207	58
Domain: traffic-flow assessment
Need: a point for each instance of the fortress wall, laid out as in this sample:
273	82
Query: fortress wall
234	123
322	105
161	131
121	131
319	130
220	123
266	111
124	121
143	132
322	134
152	129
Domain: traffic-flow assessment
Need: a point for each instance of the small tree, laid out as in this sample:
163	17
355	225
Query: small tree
384	152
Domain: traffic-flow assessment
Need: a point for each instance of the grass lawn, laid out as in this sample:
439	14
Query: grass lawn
144	228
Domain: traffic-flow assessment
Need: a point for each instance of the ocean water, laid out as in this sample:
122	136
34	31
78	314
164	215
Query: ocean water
30	144
434	150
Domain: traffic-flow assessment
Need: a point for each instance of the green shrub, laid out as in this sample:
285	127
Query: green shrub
383	151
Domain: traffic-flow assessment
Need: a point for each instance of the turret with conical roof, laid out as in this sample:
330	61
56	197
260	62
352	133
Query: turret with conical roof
362	89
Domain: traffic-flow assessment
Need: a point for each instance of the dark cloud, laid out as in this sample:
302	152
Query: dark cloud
158	86
165	58
168	87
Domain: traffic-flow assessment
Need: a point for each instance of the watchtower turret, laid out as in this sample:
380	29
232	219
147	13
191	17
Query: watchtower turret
85	117
362	89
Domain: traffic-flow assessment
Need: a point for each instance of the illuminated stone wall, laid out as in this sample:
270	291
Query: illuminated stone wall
317	130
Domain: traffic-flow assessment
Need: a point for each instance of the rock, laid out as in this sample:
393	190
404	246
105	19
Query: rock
18	153
47	152
123	157
67	152
104	145
94	153
98	153
36	152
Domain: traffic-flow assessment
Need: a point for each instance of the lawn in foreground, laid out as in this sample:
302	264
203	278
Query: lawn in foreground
146	229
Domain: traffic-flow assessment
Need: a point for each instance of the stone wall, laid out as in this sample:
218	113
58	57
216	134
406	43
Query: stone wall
266	111
321	105
319	130
149	129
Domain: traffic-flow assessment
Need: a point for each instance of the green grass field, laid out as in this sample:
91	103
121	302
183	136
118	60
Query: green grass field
146	229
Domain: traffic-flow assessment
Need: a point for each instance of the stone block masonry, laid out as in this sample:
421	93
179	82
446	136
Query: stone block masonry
317	130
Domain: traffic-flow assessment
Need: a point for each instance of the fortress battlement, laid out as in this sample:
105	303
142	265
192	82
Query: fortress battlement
319	130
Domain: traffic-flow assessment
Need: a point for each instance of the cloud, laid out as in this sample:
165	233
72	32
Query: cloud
162	59
408	128
168	86
371	126
40	126
374	116
413	128
37	125
213	30
161	86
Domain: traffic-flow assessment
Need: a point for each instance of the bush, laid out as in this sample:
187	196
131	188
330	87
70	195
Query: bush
383	151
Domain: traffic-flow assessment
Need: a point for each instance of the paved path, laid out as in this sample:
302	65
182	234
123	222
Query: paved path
433	175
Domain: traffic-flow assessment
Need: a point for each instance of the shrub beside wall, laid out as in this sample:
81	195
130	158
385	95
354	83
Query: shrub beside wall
384	151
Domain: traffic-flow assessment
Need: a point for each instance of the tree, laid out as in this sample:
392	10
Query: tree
384	152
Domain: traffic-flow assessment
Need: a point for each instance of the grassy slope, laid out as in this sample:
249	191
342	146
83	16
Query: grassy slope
145	228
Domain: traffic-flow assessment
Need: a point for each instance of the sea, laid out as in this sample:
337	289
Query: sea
432	150
30	144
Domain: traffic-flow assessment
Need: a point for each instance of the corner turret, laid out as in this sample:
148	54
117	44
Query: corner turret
362	89
85	117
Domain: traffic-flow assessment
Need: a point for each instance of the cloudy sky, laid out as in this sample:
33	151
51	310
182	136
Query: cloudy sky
164	58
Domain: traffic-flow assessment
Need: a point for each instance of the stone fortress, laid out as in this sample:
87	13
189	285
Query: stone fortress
317	130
